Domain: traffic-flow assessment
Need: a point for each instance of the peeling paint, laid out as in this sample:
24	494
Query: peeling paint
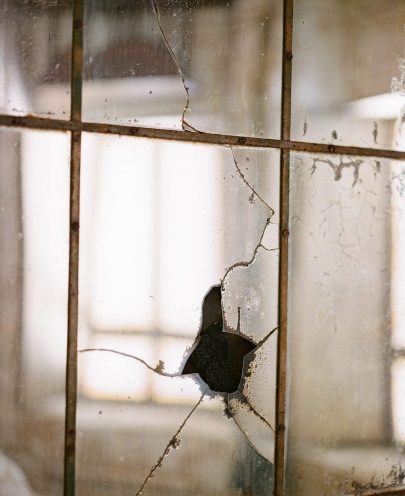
398	182
305	127
398	83
395	479
338	168
375	132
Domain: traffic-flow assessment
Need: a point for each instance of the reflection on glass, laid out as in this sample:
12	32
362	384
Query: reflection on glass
212	66
35	46
346	408
348	78
161	224
34	182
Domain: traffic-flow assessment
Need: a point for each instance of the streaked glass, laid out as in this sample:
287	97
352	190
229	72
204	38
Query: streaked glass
34	206
35	48
219	62
346	405
348	72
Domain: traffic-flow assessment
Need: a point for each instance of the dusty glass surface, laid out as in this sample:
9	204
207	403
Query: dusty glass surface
177	241
34	183
347	326
35	46
207	65
348	71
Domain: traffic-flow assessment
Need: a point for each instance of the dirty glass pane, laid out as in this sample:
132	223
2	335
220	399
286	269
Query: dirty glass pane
347	326
177	241
348	71
34	200
207	65
35	46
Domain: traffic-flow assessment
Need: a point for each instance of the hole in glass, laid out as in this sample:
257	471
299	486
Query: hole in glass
217	356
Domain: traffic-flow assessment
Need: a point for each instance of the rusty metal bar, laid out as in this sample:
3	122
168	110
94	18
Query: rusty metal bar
397	353
281	394
77	62
71	364
282	323
389	491
32	122
286	70
71	360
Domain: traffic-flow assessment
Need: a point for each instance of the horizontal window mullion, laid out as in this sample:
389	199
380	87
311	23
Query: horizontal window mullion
31	122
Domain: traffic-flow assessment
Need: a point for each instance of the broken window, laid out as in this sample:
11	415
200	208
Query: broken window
204	231
174	239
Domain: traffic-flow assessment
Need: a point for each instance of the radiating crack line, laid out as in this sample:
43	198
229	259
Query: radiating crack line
243	433
260	343
184	122
250	442
249	262
269	249
169	445
244	264
257	413
157	370
254	192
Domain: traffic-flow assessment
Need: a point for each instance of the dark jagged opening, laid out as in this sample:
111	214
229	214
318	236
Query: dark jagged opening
217	356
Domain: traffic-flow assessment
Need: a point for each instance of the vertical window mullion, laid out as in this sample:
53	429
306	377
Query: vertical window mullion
72	329
283	260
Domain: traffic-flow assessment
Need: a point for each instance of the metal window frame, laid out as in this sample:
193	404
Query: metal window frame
76	127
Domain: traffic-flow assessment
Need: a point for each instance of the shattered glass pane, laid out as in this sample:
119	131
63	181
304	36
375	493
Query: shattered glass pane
34	200
196	65
178	318
346	406
35	48
349	76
